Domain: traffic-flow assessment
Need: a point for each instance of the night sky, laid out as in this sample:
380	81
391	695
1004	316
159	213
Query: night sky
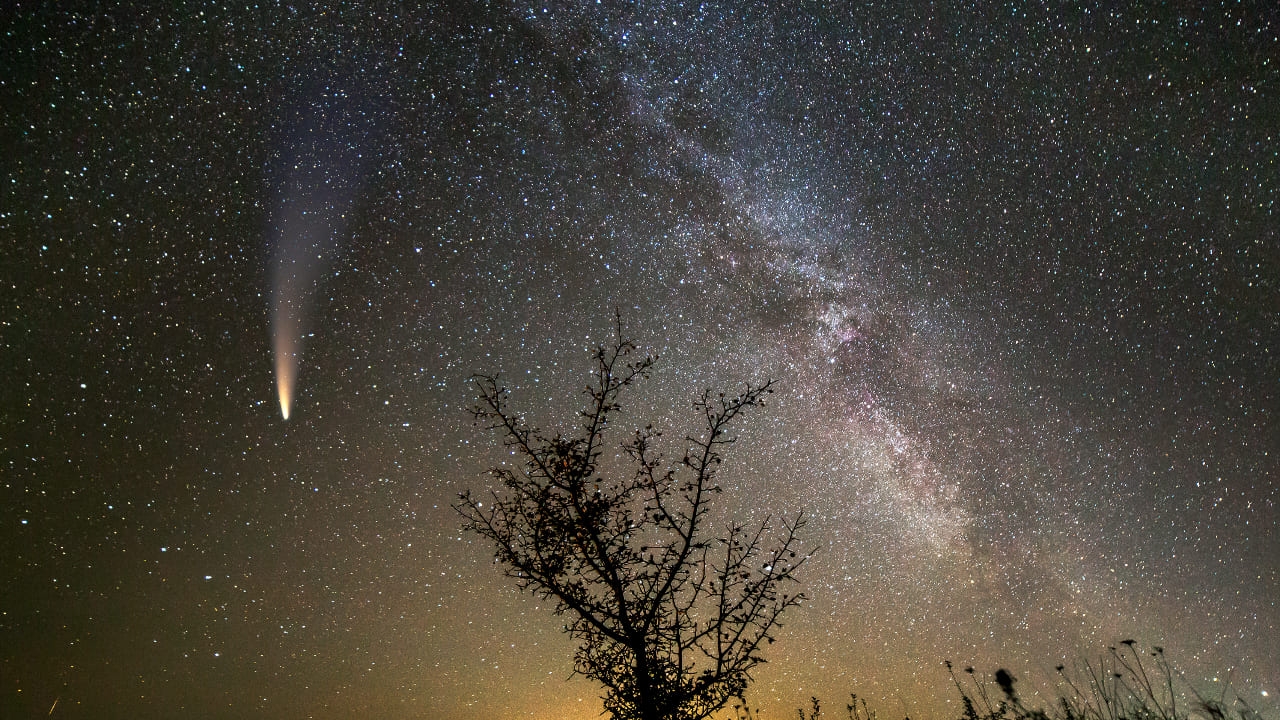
1015	271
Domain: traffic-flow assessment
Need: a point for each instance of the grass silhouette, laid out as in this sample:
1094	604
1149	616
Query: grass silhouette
1126	683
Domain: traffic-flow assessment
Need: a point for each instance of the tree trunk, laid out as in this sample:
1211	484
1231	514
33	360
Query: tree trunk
647	707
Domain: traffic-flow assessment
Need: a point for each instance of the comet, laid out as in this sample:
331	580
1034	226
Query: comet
311	222
324	140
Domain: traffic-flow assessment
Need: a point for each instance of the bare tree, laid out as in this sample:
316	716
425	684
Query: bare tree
669	619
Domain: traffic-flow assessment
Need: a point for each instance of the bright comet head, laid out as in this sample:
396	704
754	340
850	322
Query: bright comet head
284	401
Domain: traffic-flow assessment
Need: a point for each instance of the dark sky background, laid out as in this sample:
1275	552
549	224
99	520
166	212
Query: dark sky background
1014	270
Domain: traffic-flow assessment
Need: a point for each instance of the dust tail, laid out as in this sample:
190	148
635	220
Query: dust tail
286	369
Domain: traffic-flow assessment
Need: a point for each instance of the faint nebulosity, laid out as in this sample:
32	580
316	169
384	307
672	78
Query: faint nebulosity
1013	268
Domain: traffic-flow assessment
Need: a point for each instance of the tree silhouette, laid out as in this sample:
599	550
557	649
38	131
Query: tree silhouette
671	620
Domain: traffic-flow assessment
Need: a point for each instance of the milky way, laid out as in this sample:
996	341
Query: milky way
1013	270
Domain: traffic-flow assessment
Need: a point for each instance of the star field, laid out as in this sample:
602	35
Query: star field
1013	269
